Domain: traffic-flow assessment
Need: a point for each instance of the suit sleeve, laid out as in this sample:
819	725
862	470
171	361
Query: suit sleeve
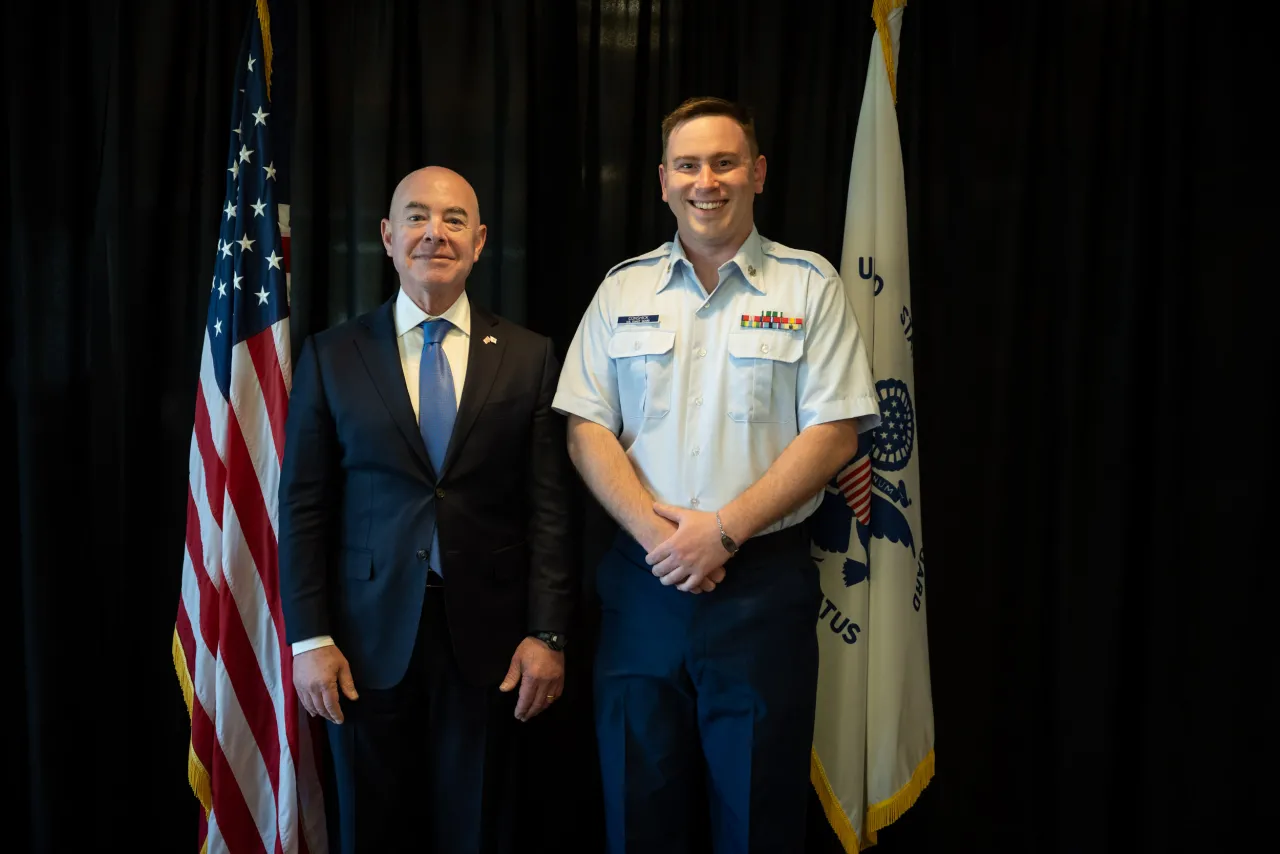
308	502
551	587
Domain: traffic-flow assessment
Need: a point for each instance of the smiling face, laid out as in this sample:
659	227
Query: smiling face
710	180
433	232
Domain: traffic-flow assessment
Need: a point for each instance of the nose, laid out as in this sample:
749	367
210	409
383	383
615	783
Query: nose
433	231
706	178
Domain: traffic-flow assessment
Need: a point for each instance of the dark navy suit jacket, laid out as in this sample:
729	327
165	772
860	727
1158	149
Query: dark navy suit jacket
356	488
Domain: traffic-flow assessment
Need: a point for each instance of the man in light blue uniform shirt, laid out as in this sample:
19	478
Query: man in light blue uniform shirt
713	387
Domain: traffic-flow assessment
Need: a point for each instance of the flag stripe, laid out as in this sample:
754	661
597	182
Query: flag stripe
233	829
273	658
244	489
861	470
250	600
186	636
215	474
232	679
214	402
280	332
207	596
251	456
266	362
237	655
255	421
242	755
239	683
855	485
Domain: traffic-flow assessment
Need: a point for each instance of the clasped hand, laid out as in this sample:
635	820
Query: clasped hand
693	557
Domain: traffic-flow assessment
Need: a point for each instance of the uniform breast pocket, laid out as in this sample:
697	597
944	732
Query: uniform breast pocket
644	361
762	375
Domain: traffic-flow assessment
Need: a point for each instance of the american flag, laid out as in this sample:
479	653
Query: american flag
855	485
251	760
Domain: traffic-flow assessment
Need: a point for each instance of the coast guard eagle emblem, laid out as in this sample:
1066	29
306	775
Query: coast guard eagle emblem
860	499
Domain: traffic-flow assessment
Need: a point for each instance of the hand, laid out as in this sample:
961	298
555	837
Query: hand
659	532
693	557
317	675
539	671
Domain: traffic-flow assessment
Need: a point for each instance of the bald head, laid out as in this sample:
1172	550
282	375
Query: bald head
434	235
435	181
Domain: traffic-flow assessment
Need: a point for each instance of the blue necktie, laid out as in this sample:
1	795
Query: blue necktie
437	409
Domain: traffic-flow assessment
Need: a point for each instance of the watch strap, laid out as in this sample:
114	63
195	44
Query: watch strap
555	640
725	540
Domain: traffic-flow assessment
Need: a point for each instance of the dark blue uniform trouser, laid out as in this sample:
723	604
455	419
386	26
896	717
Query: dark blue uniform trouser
708	699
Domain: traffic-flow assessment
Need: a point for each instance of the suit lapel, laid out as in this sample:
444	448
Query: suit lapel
482	367
381	357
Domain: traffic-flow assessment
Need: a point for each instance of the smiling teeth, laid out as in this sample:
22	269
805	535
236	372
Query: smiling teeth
708	206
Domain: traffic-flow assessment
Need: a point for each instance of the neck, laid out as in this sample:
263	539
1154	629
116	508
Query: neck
707	260
435	300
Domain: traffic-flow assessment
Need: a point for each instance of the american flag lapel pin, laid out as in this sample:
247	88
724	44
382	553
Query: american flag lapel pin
489	339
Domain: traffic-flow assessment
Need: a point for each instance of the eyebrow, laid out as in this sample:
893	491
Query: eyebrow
716	156
424	207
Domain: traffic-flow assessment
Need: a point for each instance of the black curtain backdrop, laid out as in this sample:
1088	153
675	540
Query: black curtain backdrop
1093	358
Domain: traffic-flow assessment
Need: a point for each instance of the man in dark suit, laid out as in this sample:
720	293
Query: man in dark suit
424	566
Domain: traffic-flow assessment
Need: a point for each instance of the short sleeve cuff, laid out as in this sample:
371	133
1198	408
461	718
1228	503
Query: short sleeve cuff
591	410
864	410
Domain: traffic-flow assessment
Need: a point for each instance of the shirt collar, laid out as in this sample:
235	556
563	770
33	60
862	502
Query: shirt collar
408	315
749	260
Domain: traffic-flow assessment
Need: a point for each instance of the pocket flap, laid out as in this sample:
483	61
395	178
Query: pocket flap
778	345
641	342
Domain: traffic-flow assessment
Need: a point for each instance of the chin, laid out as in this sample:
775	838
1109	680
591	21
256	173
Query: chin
710	231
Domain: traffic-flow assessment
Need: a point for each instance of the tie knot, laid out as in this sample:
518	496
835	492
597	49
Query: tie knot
434	330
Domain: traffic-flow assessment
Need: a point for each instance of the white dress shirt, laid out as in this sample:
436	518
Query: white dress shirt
705	391
409	337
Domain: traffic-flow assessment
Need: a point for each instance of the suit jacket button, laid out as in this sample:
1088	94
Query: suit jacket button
439	493
422	554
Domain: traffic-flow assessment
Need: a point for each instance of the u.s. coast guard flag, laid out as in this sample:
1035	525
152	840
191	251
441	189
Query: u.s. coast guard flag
873	735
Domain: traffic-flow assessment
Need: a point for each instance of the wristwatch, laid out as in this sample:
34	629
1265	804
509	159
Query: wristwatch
555	640
725	540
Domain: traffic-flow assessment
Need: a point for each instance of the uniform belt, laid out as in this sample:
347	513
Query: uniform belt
434	579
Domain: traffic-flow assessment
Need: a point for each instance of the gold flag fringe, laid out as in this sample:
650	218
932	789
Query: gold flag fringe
885	813
879	816
831	805
197	774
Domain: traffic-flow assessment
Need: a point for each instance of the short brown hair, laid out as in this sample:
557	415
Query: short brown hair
708	106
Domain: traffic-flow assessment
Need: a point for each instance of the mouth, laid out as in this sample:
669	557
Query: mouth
430	258
708	206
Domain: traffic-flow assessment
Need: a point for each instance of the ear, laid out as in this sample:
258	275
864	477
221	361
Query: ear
386	236
759	169
482	233
662	181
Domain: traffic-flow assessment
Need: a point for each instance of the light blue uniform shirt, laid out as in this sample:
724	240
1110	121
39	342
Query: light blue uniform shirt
701	403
